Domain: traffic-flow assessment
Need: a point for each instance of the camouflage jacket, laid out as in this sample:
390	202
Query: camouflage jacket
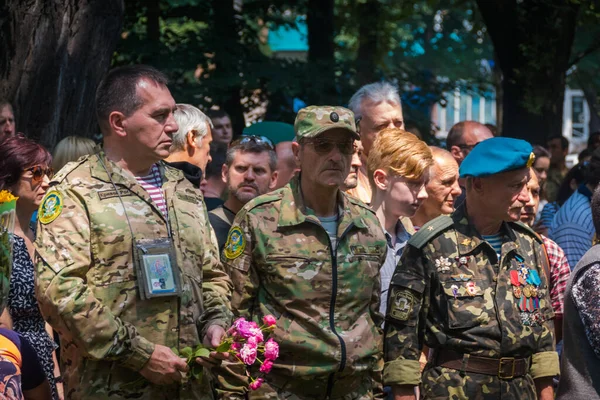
325	301
451	291
87	284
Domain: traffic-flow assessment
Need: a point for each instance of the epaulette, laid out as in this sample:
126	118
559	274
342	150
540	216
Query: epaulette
430	230
67	169
263	199
358	202
527	228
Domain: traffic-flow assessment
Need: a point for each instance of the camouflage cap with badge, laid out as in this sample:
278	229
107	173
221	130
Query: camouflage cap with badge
315	120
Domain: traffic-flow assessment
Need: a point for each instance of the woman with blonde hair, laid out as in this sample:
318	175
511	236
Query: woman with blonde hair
70	149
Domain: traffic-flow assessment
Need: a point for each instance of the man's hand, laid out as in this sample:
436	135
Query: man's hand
544	388
164	367
214	336
404	392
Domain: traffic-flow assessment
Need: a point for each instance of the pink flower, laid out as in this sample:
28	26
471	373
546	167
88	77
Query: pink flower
242	328
236	346
266	367
257	334
256	384
270	321
271	350
252	341
248	354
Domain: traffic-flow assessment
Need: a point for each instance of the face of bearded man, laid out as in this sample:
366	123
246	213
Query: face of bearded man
249	176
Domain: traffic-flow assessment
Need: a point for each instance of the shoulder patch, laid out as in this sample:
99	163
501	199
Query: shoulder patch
68	168
236	243
523	227
430	230
51	207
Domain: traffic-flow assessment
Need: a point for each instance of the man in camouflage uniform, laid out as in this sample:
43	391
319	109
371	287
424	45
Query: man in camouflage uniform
310	255
115	343
472	287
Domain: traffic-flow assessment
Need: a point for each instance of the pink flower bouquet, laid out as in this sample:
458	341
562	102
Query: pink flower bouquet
245	340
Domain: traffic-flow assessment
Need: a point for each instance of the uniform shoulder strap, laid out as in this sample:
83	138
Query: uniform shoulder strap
430	230
527	228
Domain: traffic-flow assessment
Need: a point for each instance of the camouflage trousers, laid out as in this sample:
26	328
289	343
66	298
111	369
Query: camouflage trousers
365	391
445	383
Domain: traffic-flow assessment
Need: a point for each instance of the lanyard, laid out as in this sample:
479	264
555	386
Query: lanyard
123	203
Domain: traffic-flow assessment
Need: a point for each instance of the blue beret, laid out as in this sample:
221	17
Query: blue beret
496	155
276	132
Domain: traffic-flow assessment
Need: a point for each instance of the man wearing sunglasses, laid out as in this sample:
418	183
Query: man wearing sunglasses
310	255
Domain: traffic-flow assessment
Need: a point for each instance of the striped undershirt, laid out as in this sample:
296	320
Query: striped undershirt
152	183
495	241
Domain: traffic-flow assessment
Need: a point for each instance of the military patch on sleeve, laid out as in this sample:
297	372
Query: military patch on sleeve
403	302
50	208
235	244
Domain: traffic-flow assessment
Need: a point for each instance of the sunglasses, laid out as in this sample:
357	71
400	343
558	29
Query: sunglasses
323	147
38	172
259	140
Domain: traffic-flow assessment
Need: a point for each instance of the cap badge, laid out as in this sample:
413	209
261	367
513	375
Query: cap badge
531	160
334	117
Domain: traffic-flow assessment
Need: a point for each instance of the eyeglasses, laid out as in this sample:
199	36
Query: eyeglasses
468	147
259	140
38	172
323	147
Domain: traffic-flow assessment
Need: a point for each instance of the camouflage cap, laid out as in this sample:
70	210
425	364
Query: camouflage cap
314	120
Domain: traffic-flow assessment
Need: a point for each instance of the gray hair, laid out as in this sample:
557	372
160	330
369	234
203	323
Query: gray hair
377	92
189	118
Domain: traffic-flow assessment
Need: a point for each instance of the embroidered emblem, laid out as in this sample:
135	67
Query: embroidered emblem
235	244
402	305
50	208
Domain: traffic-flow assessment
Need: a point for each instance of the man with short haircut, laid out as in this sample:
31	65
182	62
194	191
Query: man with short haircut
376	106
572	227
442	188
222	129
127	265
580	363
472	288
286	163
213	186
464	136
559	149
249	171
351	180
398	168
310	254
7	118
190	151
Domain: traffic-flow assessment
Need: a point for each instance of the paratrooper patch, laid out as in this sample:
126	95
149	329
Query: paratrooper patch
235	244
51	207
402	305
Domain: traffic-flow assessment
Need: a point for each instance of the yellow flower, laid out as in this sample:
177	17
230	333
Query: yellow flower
6	196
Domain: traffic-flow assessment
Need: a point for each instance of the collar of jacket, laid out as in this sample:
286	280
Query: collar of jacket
122	177
191	172
293	210
468	239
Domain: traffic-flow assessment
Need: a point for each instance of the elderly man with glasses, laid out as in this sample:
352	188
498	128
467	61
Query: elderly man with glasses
310	255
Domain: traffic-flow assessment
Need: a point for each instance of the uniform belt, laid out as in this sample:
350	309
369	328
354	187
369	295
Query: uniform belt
503	368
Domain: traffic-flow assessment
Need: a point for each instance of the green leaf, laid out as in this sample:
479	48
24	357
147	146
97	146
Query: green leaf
223	347
201	352
196	372
186	352
174	350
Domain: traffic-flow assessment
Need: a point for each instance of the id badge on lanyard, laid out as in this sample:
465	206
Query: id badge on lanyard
156	268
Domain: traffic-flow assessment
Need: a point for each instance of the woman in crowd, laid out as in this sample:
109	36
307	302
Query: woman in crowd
25	171
70	149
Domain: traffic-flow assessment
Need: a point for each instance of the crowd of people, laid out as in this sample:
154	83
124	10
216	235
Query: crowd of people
394	269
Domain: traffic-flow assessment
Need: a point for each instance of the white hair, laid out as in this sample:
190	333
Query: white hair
189	118
377	92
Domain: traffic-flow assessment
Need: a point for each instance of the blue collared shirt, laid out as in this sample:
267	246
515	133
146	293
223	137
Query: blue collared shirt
394	252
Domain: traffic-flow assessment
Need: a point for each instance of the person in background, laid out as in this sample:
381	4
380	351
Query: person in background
249	171
585	155
541	166
212	185
398	167
572	227
222	131
351	180
70	149
442	188
7	118
190	151
25	171
574	178
559	149
559	265
286	163
494	129
593	141
376	106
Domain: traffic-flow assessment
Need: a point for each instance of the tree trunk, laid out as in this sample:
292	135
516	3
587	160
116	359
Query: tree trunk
369	41
533	41
54	54
227	59
321	32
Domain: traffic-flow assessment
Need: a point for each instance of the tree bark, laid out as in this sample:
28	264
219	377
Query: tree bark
533	41
321	57
54	54
369	41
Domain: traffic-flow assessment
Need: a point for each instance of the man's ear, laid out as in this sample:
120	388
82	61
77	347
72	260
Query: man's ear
190	139
381	179
477	184
224	171
273	181
296	151
456	153
118	123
